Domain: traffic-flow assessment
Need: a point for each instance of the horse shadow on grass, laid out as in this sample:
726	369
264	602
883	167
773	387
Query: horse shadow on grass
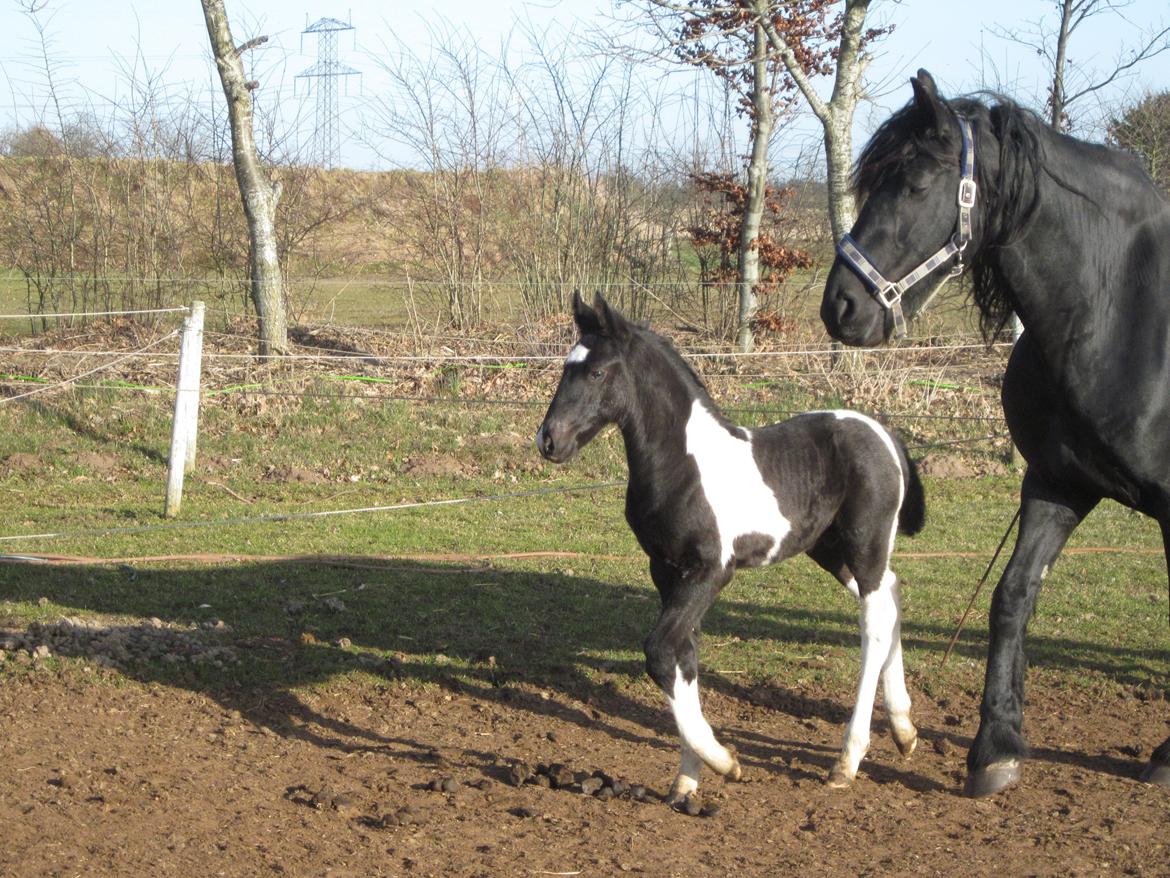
545	643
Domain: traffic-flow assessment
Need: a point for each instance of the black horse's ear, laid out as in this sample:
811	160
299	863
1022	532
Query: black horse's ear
931	109
613	323
585	317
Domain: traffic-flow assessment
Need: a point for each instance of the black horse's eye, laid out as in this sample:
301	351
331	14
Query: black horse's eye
597	374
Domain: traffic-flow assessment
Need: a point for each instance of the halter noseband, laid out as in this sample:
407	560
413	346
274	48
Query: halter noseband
889	293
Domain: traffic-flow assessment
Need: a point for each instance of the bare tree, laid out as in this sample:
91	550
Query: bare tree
1144	129
259	194
445	109
773	52
1071	82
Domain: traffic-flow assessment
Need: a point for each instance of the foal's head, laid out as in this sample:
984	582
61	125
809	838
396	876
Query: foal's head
596	386
908	182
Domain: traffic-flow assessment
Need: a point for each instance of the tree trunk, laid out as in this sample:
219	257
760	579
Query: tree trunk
839	167
259	195
836	114
757	182
1056	118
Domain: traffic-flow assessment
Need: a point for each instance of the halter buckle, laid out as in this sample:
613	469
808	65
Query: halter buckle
889	295
967	193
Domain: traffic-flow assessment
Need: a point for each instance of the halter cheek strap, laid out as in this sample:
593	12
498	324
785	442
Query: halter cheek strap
889	293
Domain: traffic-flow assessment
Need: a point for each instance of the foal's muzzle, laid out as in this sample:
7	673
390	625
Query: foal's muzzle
554	444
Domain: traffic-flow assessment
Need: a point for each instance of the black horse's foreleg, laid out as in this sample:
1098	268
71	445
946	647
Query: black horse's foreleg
1046	521
1157	771
672	660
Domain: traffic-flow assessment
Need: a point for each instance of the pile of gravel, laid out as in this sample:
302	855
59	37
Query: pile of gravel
120	646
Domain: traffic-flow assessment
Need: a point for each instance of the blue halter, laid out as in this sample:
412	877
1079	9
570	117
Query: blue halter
889	293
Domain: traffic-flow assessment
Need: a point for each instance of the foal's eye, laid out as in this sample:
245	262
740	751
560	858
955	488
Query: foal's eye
597	374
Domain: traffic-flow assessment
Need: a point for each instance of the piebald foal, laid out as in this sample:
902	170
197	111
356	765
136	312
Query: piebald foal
705	497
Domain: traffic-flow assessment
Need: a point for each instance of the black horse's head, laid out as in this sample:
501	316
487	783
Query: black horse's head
595	385
909	183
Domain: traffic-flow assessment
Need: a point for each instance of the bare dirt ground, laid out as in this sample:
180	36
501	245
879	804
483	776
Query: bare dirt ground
101	775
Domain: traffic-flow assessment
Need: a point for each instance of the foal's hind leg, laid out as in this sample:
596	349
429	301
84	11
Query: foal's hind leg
881	657
895	697
879	622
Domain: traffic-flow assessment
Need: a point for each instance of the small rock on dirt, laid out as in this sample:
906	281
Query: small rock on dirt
519	773
560	776
692	805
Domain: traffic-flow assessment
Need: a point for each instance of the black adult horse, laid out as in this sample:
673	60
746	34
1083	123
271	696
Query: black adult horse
706	497
1076	240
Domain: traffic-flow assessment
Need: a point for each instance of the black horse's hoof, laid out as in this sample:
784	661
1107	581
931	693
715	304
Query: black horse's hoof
1157	773
991	779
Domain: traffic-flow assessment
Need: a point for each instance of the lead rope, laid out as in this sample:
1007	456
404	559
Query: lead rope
978	588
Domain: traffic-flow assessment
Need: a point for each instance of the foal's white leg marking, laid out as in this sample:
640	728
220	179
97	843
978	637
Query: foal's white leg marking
696	733
852	586
577	355
687	779
736	492
879	615
894	694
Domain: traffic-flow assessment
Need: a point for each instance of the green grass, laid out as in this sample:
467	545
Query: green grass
90	460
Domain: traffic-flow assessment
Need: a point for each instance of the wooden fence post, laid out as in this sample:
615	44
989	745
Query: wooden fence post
186	421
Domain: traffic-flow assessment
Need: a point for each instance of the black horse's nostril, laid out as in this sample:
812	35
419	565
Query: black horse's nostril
837	308
544	441
845	307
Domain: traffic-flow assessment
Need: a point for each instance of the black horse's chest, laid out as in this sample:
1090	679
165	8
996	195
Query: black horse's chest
1081	450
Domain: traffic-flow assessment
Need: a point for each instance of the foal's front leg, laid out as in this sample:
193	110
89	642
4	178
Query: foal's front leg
672	660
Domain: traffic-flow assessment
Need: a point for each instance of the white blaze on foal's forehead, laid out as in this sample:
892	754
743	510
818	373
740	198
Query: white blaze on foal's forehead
577	355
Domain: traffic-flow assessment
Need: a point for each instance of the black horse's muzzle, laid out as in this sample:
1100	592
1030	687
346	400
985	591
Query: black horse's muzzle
850	314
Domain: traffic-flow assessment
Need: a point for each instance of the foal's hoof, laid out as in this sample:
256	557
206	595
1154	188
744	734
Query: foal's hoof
990	779
1157	773
735	772
907	744
839	779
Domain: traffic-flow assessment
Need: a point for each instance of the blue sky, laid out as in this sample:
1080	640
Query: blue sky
91	40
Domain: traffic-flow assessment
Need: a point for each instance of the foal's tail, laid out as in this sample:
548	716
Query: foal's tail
912	515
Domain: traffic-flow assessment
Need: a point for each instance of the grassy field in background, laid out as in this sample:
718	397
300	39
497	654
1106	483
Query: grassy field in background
373	299
92	464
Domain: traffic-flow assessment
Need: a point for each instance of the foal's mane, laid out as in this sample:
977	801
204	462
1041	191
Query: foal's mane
662	347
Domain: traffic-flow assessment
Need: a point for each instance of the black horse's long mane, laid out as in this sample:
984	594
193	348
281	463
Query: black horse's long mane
1007	201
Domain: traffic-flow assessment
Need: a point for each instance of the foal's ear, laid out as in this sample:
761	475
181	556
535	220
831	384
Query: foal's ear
585	317
613	323
931	109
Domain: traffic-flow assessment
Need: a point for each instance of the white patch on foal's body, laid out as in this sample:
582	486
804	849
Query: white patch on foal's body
735	490
577	355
